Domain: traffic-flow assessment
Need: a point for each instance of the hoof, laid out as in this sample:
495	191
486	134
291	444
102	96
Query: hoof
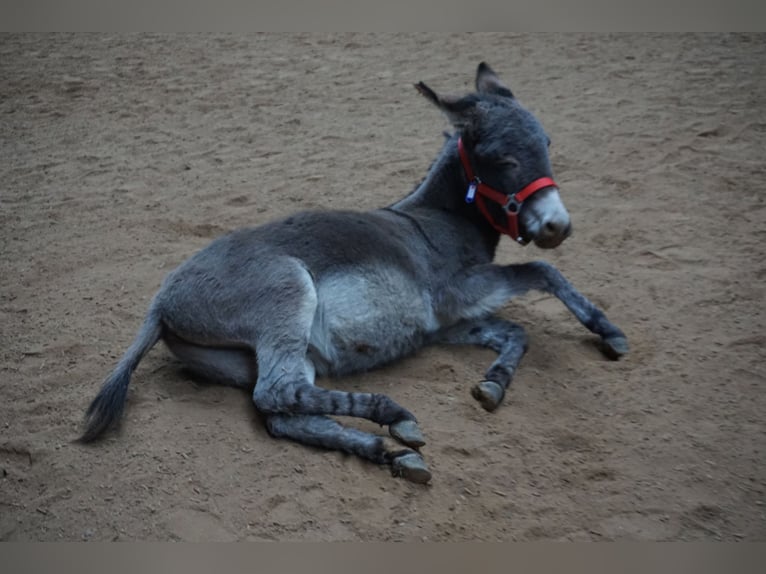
407	432
614	347
489	394
412	467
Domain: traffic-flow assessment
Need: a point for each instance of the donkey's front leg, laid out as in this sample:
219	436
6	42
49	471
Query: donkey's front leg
507	339
545	277
479	291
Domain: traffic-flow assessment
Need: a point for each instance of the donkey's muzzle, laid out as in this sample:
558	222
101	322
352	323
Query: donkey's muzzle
547	221
553	232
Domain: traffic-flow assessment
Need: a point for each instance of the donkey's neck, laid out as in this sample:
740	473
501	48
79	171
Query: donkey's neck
441	186
444	190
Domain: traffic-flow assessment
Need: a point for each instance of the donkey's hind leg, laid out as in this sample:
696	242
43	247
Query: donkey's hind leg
322	431
507	339
286	376
286	386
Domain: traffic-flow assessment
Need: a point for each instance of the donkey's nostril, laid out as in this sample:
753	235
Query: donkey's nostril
557	228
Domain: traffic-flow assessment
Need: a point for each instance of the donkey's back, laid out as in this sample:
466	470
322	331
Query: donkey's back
364	282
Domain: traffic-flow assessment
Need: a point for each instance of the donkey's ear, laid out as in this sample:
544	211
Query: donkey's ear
487	82
461	111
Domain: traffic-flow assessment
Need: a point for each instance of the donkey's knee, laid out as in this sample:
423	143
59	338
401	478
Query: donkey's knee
280	399
501	335
544	276
517	335
297	398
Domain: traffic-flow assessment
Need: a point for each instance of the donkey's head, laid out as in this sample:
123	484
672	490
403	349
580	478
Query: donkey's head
504	152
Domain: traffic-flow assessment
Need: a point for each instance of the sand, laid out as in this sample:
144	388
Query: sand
123	155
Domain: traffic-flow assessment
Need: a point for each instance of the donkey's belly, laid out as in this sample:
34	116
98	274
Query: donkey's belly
366	319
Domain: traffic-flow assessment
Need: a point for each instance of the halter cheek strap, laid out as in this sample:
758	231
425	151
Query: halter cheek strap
511	204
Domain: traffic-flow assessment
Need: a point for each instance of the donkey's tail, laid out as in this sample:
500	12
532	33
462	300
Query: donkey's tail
108	405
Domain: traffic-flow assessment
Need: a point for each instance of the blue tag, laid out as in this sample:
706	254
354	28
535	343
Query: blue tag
471	193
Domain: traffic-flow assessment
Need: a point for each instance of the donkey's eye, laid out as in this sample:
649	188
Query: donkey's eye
508	161
548	142
503	160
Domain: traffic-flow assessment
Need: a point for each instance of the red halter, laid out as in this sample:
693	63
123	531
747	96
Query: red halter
511	204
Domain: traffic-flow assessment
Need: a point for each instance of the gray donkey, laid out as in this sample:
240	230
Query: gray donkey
331	293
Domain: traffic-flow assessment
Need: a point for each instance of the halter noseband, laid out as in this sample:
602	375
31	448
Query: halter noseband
511	204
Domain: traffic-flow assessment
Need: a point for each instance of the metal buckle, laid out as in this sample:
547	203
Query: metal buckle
512	206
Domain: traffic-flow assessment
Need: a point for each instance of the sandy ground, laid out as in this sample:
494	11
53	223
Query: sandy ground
122	155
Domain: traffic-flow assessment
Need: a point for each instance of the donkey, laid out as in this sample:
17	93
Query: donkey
330	293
